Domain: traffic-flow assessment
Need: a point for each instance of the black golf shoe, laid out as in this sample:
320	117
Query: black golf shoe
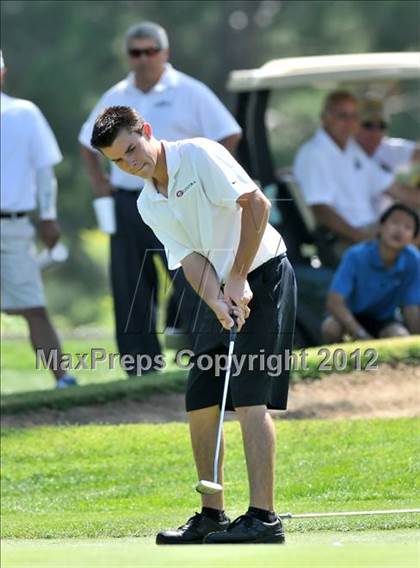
246	529
193	532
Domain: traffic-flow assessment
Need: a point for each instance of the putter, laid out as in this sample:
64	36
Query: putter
211	487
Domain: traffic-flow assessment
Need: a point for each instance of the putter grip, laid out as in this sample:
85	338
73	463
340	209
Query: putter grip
234	328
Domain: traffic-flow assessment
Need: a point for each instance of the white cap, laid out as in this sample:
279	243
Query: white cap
2	65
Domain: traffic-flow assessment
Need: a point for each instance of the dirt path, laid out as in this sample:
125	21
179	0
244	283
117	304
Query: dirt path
386	392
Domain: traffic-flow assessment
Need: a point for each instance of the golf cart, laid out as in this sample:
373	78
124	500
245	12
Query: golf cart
308	246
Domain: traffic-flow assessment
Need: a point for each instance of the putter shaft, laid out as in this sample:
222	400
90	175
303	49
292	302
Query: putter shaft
232	338
347	514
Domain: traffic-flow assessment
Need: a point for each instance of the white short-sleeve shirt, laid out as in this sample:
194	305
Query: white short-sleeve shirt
394	153
347	180
178	107
200	213
27	144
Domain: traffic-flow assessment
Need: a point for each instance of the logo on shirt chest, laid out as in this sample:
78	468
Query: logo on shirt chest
163	103
180	192
357	164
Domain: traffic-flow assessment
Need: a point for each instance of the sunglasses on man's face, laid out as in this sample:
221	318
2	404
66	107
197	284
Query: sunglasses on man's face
370	125
148	51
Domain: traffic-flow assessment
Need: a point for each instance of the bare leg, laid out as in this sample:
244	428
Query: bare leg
203	429
42	334
332	330
259	440
394	330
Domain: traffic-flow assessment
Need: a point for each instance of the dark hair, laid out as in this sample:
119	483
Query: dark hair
109	123
401	207
335	98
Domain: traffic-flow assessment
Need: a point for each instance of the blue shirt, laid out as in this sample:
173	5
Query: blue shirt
374	289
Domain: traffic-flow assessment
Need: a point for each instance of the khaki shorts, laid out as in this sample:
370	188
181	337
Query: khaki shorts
21	283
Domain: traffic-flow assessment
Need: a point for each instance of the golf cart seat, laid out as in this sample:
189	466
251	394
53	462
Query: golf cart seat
297	223
305	212
304	229
287	217
301	220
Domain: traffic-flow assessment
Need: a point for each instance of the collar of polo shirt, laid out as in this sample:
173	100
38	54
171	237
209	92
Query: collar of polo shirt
173	162
377	261
324	138
168	79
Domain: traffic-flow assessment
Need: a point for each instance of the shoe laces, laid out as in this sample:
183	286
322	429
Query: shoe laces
246	519
192	521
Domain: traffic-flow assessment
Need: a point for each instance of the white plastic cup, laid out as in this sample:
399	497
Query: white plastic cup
56	255
105	214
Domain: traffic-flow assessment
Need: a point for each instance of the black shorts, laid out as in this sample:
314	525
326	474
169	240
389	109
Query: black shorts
263	346
372	325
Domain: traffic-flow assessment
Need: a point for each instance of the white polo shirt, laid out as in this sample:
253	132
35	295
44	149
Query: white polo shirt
347	180
200	213
394	153
27	144
178	107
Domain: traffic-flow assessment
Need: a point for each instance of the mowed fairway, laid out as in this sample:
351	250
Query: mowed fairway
102	482
392	549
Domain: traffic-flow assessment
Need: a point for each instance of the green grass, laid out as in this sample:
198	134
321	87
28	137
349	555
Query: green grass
19	373
122	481
123	389
392	350
25	388
395	549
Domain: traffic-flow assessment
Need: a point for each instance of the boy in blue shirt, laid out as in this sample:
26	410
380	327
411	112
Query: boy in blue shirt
375	278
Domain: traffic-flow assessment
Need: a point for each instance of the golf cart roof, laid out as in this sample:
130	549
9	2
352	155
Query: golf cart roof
315	70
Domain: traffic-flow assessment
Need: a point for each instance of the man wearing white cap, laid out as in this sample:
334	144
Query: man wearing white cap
28	153
391	154
179	107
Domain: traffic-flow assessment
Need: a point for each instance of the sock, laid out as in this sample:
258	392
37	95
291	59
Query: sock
214	514
262	515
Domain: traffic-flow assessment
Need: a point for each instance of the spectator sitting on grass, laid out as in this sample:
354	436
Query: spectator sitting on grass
375	278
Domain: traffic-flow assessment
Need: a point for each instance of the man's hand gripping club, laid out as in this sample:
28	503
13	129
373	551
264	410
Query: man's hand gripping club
233	300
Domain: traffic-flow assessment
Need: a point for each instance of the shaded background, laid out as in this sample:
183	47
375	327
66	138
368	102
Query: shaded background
64	55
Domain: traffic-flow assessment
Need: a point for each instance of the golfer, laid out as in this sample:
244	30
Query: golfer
213	221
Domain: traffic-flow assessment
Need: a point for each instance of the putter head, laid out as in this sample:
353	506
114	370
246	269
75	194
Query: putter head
208	487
